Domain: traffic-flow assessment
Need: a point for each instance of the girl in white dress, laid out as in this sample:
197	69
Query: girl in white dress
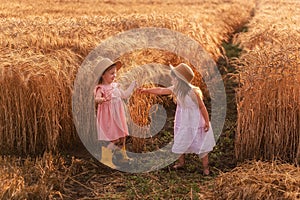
192	129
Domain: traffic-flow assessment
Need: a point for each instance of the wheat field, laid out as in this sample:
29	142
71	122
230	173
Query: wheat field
269	96
43	45
42	53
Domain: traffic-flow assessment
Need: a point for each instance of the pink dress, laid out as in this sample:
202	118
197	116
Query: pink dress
111	118
189	134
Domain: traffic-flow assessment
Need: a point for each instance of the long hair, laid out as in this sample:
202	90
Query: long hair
181	89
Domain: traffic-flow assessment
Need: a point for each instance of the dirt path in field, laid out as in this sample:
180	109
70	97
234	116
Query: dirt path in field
94	179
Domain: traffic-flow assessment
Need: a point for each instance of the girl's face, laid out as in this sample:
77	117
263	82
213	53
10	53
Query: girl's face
109	76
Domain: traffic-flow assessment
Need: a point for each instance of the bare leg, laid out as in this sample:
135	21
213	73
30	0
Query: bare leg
180	163
125	156
205	165
112	145
124	142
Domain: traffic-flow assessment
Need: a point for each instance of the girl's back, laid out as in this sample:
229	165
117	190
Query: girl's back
187	112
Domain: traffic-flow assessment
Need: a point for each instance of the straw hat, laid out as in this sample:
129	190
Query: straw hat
104	64
184	72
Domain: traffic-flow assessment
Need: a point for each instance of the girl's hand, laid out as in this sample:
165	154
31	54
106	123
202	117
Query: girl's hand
206	127
141	90
101	100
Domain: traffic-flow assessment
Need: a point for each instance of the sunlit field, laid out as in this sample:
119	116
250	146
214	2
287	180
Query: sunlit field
255	45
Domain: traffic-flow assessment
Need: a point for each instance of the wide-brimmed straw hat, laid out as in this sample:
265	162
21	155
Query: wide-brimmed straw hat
104	64
184	72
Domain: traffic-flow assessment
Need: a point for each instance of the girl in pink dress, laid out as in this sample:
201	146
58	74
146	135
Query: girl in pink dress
192	129
111	118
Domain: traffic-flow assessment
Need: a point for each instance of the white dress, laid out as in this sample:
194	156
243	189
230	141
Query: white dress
189	134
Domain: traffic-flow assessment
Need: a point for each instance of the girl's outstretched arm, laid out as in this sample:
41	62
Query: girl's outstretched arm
202	108
156	90
125	94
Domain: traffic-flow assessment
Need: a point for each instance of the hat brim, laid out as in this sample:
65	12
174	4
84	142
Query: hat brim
99	70
118	64
178	74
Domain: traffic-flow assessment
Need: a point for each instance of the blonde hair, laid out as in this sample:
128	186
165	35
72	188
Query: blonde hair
181	89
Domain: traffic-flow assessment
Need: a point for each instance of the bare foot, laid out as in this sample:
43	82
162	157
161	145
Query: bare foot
178	166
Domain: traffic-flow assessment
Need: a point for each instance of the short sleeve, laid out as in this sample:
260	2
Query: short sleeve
97	91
